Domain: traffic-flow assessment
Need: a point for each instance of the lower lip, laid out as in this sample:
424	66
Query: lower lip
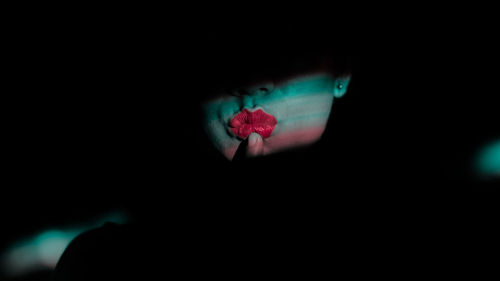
247	122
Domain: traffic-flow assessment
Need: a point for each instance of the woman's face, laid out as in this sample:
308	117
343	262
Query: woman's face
272	115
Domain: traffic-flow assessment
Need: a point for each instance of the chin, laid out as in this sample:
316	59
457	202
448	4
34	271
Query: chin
282	142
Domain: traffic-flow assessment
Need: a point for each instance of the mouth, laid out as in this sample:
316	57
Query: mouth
247	122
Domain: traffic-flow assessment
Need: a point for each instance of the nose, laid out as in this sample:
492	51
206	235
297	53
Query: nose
250	94
261	89
256	90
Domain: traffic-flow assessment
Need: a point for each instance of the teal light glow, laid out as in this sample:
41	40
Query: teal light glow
487	161
51	244
43	250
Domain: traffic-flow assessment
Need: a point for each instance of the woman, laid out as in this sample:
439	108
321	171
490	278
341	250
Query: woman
264	124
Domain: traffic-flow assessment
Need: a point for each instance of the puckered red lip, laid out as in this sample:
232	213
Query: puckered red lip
247	122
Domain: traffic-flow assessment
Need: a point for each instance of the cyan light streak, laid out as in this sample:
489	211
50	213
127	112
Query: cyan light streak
309	85
42	250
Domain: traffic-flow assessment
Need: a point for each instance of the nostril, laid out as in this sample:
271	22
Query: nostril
262	89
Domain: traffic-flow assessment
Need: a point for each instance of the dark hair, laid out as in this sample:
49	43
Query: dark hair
235	54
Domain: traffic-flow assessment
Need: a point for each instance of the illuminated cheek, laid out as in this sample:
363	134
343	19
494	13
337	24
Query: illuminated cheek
218	134
292	139
215	114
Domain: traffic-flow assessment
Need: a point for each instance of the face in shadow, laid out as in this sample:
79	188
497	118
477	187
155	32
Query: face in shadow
269	115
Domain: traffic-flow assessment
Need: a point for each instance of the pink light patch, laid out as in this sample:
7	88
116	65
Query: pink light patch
284	141
295	138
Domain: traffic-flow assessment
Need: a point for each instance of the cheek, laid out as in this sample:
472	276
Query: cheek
301	121
216	116
295	138
304	111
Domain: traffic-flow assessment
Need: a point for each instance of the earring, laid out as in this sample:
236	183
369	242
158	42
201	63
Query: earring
340	89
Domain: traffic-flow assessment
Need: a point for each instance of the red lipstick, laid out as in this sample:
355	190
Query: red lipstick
247	122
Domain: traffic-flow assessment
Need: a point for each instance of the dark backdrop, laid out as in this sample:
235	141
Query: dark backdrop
102	119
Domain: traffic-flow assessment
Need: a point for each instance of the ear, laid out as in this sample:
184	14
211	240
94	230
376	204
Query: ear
340	86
